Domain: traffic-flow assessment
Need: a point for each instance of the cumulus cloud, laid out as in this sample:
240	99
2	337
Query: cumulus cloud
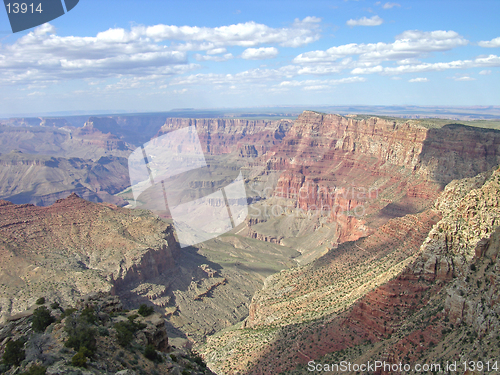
485	72
418	80
42	56
259	53
373	21
410	44
391	5
491	43
248	34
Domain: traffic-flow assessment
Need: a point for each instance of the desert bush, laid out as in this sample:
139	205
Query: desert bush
40	301
80	334
35	347
67	312
55	305
41	319
79	360
125	330
88	314
14	352
124	333
146	310
151	354
35	370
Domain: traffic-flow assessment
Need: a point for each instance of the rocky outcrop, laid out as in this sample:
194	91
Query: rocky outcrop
102	316
75	247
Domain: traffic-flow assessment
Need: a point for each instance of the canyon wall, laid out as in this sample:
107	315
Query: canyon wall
443	305
381	168
41	179
222	136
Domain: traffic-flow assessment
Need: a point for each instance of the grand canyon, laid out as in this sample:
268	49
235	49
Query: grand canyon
368	238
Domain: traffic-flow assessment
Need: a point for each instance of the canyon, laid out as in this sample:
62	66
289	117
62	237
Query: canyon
368	238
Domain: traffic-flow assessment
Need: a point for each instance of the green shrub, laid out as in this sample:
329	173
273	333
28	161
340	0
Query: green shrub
55	305
14	352
199	361
151	354
41	319
124	334
35	370
40	301
125	330
67	312
80	334
173	357
88	314
146	310
103	331
186	372
79	360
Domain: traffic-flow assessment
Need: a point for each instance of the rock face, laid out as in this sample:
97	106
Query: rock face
381	168
67	141
75	247
222	136
443	306
42	180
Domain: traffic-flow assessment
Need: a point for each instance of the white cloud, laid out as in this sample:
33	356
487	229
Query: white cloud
227	56
485	72
259	53
248	34
374	21
317	84
482	61
42	56
418	80
408	45
252	76
490	44
216	51
391	5
375	69
464	78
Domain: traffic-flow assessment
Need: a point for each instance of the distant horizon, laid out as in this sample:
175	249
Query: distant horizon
472	111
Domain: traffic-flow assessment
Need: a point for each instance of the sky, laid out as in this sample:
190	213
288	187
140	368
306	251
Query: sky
158	55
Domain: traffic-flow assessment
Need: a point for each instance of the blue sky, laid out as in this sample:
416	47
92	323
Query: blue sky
155	55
